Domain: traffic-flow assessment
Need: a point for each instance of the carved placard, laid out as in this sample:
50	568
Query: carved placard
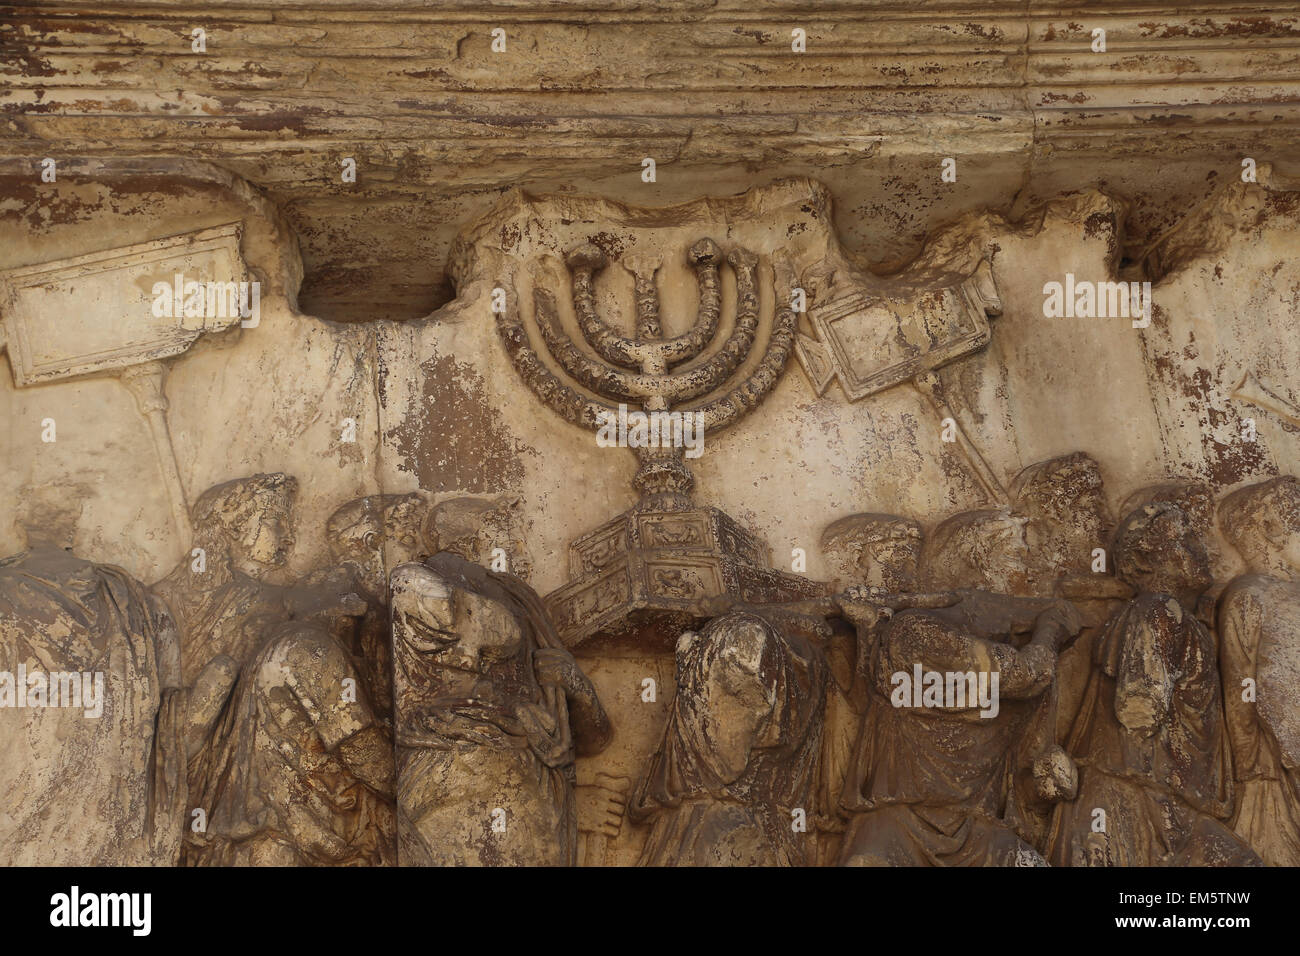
95	313
871	342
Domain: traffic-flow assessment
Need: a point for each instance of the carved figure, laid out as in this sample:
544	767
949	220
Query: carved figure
880	553
948	775
92	757
737	761
301	771
491	712
242	530
366	536
1155	784
1259	655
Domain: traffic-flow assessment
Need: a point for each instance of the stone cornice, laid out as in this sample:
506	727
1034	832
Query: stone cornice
434	118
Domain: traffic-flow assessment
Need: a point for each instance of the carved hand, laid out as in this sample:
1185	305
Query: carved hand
531	720
1056	777
864	606
556	666
592	730
1058	623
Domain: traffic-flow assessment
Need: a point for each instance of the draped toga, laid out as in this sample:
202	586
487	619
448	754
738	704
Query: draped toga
1150	745
739	753
78	790
464	755
937	785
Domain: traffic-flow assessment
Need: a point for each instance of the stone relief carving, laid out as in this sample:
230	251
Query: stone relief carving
491	710
736	767
944	770
672	555
93	710
288	762
869	342
356	660
1150	734
300	770
126	324
148	303
1257	656
242	529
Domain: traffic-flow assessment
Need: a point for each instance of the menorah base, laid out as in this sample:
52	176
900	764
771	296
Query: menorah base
647	575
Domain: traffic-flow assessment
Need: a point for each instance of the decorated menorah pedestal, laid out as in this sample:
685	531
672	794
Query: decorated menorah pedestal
642	577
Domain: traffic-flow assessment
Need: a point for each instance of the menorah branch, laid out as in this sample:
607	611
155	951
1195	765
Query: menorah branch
729	408
560	398
677	387
663	479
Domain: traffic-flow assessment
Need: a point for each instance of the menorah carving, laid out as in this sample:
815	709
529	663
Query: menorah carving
648	571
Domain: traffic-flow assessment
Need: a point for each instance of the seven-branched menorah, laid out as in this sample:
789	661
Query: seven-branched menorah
638	370
652	571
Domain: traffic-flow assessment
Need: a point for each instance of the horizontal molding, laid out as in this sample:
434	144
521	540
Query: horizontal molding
354	75
440	126
935	9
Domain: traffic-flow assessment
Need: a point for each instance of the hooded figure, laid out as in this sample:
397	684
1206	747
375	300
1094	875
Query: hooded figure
491	711
739	753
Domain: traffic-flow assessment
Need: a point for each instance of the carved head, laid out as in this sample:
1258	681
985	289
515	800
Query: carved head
368	530
437	624
1195	498
1066	506
1159	548
1262	521
878	550
475	528
248	519
48	514
729	671
985	549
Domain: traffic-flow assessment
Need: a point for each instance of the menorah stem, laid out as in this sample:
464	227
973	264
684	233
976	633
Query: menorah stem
647	314
663	480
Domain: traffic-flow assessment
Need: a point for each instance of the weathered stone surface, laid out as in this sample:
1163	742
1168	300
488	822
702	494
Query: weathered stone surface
441	126
974	515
